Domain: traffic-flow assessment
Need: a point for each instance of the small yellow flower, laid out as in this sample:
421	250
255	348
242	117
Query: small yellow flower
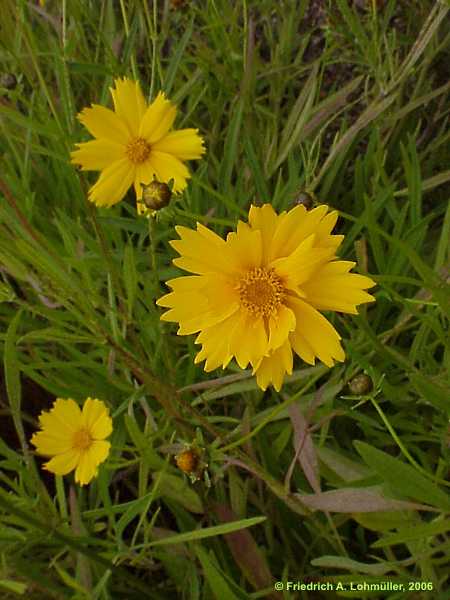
256	296
74	438
134	145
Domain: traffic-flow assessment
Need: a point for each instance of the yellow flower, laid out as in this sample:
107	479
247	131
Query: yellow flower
134	145
74	438
256	296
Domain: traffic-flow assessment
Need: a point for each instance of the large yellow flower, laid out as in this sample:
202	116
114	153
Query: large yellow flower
134	145
256	296
74	438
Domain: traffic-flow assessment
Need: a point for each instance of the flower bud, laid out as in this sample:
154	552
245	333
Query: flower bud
156	195
8	81
361	384
305	199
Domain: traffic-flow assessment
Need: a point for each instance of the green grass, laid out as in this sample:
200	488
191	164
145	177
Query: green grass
354	108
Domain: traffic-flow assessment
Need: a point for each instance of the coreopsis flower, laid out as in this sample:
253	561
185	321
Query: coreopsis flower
74	438
257	295
134	145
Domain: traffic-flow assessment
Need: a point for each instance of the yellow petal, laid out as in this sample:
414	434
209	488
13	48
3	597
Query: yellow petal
218	356
187	283
89	461
273	368
199	302
98	451
63	463
113	183
325	225
265	220
280	325
244	249
248	339
314	331
49	444
323	231
186	308
158	119
129	103
301	347
144	173
300	266
169	167
63	419
333	288
184	144
202	252
105	124
210	253
96	419
215	345
86	469
296	226
97	154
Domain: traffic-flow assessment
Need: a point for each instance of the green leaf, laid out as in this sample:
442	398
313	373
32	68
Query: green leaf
7	294
329	107
403	478
200	534
130	277
427	184
89	68
342	562
372	112
354	24
231	147
13	586
143	444
407	534
177	55
259	179
139	506
347	469
436	395
12	375
178	489
213	576
15	267
297	119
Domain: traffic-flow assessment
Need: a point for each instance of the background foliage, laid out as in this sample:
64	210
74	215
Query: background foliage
349	100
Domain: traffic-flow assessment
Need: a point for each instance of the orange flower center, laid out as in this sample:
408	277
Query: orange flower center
81	439
261	291
138	150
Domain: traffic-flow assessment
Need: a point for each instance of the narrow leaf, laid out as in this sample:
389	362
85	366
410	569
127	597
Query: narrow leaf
12	376
342	562
347	469
213	576
200	534
414	533
245	551
403	478
178	489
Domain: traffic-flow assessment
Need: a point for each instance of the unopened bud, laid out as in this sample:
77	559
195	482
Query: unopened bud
8	81
156	195
361	384
305	199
